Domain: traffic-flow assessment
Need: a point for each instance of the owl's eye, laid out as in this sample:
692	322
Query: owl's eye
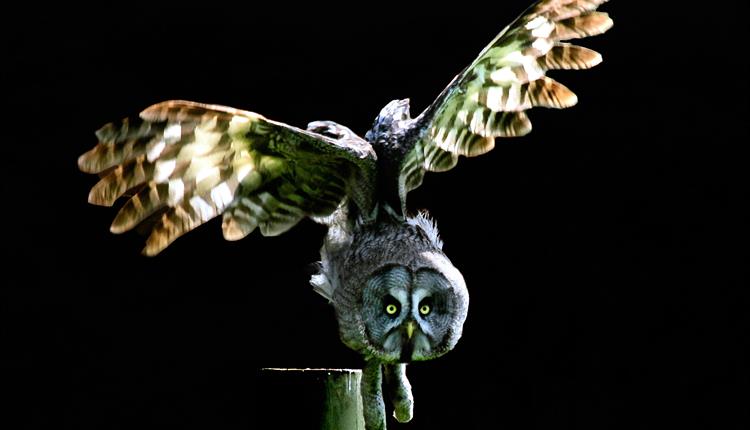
392	306
425	306
425	309
391	309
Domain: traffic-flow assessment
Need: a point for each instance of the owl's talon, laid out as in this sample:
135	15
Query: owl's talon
400	391
404	414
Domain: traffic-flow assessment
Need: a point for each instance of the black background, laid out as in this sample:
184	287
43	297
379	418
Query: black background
603	251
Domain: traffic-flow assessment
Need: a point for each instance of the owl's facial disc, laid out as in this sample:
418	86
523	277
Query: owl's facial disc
410	316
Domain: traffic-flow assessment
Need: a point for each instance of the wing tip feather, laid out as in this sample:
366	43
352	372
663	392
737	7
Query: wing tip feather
96	198
117	228
477	150
232	232
157	242
595	60
87	162
570	100
149	251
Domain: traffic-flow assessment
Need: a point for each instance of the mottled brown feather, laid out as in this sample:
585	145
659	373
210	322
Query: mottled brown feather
194	162
571	57
488	98
578	27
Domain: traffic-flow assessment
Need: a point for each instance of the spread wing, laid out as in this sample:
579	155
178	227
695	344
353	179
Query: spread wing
490	97
185	163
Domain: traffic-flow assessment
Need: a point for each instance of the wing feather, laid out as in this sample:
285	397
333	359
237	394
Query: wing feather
490	97
192	162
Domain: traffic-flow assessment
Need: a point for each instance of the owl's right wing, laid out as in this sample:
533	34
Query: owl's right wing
490	97
185	163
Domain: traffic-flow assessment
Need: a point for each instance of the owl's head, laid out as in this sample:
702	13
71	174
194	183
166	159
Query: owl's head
406	301
390	119
412	314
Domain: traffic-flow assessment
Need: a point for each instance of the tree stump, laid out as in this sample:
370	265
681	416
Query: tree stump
327	399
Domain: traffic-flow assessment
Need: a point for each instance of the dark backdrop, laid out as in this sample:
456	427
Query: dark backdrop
603	251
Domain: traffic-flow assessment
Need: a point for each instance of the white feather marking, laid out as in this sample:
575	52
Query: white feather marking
503	75
176	192
438	133
535	23
201	147
477	122
199	164
514	98
463	116
515	57
242	170
203	209
206	173
172	133
222	195
191	151
238	123
205	140
544	29
164	169
533	71
495	98
543	45
154	149
450	139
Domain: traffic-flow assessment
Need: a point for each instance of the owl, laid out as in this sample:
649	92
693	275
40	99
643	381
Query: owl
396	295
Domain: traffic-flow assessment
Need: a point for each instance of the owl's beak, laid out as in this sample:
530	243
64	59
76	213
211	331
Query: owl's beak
407	346
410	329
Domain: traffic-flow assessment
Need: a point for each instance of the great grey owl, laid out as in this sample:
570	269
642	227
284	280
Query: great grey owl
396	295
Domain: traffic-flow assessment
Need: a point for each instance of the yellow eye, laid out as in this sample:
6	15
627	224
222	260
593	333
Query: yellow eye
424	309
391	309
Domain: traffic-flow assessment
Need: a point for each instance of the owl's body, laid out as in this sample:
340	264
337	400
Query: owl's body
396	295
397	262
387	242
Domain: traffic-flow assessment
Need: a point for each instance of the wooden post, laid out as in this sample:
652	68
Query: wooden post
327	399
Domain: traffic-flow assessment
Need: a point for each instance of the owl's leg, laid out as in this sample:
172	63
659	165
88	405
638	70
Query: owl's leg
399	390
373	407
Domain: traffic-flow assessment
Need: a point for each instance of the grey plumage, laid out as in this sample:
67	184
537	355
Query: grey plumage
397	297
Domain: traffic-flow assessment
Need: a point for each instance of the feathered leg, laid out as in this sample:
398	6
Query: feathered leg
373	407
399	390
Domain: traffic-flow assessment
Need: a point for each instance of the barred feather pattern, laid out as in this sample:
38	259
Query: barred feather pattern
490	97
192	162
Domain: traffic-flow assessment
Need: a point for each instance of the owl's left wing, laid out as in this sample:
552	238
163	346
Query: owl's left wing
490	97
185	163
